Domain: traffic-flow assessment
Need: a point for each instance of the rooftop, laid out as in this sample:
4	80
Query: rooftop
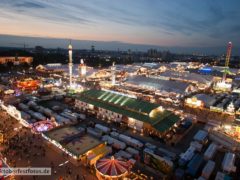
130	107
158	84
188	76
71	139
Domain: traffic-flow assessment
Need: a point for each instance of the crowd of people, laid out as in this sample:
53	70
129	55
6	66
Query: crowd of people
21	148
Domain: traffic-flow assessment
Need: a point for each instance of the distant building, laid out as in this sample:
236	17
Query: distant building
39	49
16	60
152	53
93	48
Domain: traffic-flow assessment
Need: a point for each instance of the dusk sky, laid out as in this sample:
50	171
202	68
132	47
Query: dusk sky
184	23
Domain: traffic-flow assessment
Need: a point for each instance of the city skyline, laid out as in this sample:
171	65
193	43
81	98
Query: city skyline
173	24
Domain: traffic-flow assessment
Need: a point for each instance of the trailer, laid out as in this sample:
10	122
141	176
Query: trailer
186	156
38	116
208	169
67	110
123	154
222	176
23	107
167	153
24	115
61	120
102	128
30	112
114	134
94	132
132	151
31	104
179	174
72	118
228	162
81	116
196	145
70	114
211	151
194	165
201	136
35	108
201	178
114	142
47	112
150	146
130	141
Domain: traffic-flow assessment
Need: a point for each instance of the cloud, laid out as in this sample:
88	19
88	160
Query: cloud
30	5
212	20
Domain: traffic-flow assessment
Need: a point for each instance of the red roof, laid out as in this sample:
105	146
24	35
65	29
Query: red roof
112	166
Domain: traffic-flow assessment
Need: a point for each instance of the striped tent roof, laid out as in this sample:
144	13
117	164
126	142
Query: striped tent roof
112	166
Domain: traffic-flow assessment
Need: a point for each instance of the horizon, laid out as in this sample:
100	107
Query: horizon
12	41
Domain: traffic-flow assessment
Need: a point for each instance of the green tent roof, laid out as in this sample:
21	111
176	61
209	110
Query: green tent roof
130	107
121	100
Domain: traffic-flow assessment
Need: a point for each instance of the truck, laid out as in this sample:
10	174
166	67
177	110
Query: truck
208	169
210	151
194	165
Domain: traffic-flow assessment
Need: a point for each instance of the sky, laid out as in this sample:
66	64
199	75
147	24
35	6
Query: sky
168	23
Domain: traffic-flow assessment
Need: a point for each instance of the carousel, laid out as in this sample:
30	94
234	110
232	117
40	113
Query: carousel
28	84
112	169
43	126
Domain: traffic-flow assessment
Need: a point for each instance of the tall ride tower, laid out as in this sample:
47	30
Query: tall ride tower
113	69
224	84
82	70
228	56
70	65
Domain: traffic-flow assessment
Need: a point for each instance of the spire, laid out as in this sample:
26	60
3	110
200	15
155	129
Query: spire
70	45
